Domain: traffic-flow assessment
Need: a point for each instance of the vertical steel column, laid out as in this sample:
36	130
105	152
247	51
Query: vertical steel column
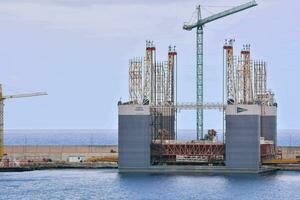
175	98
199	78
147	74
223	94
1	125
1	130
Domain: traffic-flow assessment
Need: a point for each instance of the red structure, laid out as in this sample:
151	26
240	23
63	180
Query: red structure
209	152
267	151
169	152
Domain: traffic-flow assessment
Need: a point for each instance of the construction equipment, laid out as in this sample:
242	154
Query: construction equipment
102	159
199	46
2	98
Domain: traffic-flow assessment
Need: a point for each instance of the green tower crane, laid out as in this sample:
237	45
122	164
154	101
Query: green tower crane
199	70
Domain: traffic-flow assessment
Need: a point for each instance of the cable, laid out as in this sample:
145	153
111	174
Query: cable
208	10
212	6
193	16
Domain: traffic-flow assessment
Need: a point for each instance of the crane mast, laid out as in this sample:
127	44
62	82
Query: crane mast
199	54
199	77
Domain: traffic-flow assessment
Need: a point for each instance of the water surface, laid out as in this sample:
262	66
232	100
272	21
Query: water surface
108	137
109	184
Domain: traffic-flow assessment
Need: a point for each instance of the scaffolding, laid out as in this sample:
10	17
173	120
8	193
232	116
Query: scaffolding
170	76
246	79
239	79
160	83
230	71
163	122
153	83
135	80
260	81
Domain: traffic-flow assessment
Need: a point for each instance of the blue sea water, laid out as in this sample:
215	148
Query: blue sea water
109	184
108	137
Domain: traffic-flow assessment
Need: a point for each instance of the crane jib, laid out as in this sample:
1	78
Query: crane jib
225	13
24	95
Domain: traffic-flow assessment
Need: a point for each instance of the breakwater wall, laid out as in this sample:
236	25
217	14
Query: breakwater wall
64	152
59	152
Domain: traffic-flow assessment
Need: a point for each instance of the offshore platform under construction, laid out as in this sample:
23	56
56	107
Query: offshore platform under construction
147	122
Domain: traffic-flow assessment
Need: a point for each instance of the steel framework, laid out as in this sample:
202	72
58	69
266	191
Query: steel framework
135	80
246	80
247	75
154	83
149	73
195	106
199	77
230	71
170	76
167	151
160	83
267	151
260	80
212	150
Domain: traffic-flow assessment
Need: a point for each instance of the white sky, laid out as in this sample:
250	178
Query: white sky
78	52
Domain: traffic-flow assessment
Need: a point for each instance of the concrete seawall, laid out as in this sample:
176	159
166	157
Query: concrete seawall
59	152
290	152
63	152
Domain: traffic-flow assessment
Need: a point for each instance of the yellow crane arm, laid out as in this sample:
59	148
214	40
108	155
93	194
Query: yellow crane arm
24	95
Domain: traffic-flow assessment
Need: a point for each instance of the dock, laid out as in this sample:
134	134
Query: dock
41	157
